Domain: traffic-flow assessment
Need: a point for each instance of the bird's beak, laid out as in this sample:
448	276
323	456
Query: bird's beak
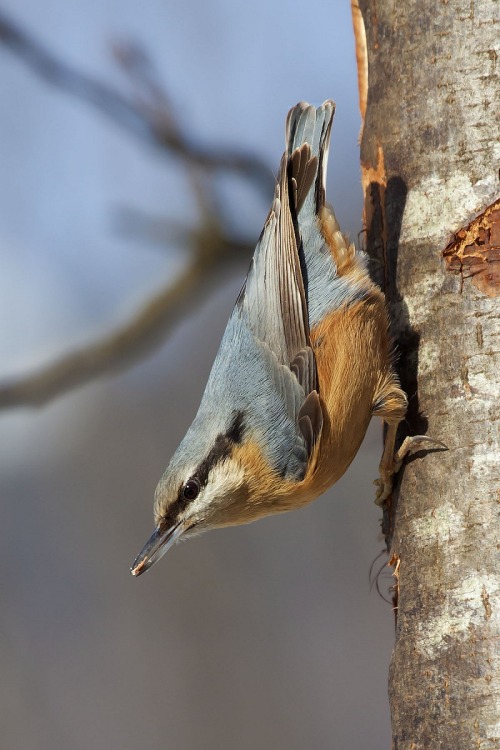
162	538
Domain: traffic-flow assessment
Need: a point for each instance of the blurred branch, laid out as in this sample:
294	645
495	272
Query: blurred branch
149	123
130	341
149	116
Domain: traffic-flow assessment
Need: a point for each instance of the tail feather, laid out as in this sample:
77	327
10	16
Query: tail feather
302	169
310	125
334	273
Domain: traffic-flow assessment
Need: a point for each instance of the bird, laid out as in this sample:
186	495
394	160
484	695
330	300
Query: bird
305	362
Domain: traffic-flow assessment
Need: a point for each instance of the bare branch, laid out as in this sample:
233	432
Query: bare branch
129	342
149	116
141	121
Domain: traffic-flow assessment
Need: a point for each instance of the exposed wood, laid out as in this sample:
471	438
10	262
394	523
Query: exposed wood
361	57
475	251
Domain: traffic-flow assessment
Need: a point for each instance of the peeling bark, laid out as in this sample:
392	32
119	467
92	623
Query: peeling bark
430	157
475	251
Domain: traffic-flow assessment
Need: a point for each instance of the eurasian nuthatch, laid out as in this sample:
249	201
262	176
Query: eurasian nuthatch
305	362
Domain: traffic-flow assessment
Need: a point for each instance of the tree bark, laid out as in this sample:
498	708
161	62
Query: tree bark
430	157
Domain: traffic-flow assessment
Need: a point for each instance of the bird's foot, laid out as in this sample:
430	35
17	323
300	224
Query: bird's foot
410	444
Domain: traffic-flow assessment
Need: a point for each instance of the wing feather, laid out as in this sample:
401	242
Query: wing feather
275	299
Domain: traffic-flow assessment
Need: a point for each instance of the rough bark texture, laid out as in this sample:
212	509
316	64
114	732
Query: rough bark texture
430	163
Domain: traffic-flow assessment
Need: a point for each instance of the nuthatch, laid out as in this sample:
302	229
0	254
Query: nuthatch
305	362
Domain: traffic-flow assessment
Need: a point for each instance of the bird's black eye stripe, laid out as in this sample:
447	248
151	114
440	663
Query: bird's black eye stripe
236	429
191	490
221	449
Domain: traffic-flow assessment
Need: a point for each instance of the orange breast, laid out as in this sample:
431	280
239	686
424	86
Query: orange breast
353	355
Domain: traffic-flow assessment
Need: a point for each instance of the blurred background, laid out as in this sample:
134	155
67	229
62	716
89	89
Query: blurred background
264	636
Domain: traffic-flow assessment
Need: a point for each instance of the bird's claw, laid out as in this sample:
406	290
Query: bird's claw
409	444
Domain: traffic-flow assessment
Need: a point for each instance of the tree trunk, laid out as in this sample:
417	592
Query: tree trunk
430	168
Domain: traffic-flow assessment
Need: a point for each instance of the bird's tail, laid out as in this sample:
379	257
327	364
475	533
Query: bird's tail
334	273
311	125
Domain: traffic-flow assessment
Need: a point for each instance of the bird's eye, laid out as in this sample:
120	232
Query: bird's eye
191	489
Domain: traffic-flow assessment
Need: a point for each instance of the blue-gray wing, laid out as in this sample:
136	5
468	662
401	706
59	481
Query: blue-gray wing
273	305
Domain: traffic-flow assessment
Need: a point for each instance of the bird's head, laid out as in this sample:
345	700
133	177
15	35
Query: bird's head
207	485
